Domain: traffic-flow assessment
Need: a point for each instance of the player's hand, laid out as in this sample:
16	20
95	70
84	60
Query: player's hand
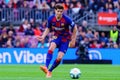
40	38
72	43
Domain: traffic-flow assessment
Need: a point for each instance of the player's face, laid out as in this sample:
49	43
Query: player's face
59	12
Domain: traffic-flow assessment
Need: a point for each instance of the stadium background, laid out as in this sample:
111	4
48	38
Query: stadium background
21	54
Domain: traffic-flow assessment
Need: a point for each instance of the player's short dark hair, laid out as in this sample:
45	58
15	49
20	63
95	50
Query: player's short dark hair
59	6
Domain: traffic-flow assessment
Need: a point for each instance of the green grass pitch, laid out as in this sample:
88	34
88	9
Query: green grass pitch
32	72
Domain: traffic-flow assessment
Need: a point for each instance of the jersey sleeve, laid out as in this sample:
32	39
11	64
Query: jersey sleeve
71	23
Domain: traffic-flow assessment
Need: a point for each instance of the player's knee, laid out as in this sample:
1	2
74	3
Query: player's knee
50	51
59	58
52	46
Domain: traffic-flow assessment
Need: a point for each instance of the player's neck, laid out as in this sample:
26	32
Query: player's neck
58	18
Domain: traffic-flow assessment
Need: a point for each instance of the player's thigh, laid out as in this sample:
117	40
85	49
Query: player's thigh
60	55
52	46
54	43
63	47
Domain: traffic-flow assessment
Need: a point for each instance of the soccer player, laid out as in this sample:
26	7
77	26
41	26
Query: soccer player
64	36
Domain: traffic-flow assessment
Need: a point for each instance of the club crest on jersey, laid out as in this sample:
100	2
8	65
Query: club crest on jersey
62	24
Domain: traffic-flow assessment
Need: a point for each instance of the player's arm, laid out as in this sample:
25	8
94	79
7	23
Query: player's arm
47	30
41	38
73	37
74	33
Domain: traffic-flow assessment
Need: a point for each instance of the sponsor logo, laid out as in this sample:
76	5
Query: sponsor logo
95	55
54	37
108	19
72	24
23	56
105	18
59	29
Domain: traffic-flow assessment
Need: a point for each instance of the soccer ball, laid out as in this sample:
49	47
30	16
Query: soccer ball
75	73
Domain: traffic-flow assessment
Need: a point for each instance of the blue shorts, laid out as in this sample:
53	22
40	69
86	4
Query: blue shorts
62	46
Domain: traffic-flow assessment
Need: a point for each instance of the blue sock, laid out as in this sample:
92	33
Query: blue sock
55	64
49	58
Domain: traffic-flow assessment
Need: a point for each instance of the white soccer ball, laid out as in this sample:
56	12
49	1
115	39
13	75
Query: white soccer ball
75	73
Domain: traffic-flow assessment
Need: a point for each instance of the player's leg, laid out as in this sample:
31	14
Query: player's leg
62	50
48	57
57	61
50	53
55	64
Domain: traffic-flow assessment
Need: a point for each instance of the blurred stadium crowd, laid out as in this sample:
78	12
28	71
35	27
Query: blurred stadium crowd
24	35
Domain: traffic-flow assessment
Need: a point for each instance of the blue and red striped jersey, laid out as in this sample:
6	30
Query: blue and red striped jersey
62	27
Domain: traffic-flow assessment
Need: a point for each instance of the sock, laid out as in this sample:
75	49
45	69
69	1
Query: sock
55	64
49	57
